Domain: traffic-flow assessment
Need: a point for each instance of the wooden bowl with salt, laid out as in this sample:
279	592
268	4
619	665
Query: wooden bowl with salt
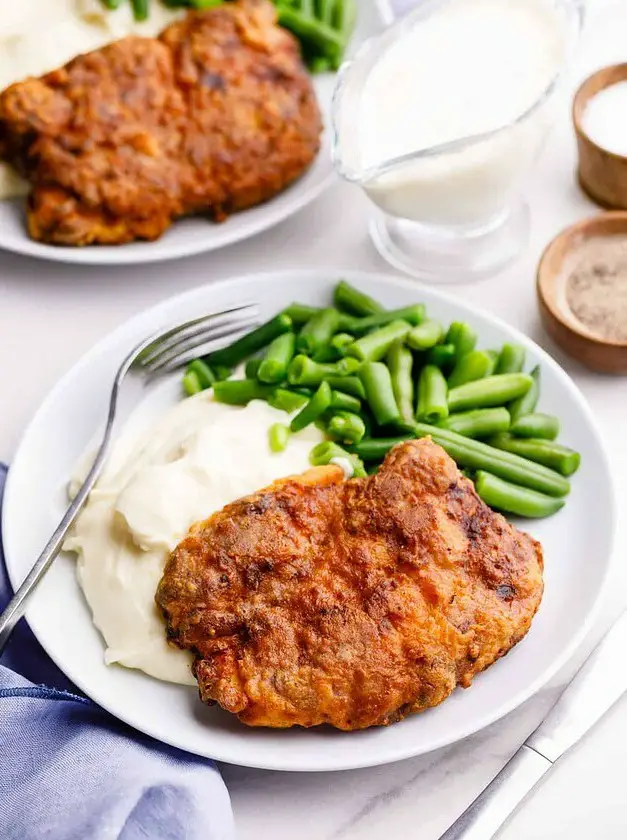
582	292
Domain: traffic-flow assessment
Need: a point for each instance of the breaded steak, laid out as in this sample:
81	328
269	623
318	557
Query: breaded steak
353	603
216	115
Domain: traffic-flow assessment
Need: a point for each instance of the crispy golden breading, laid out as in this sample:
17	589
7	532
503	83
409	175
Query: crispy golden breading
353	603
216	115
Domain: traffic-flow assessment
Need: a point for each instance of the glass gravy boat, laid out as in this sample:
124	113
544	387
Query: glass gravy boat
453	212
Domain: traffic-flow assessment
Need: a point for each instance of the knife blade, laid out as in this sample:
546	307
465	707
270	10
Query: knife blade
596	687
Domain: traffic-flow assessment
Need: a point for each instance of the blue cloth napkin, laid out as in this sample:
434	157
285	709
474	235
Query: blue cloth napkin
69	771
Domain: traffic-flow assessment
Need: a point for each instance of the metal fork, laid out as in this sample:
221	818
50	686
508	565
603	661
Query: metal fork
158	355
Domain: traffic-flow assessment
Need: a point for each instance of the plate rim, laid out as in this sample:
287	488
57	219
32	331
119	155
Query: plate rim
353	275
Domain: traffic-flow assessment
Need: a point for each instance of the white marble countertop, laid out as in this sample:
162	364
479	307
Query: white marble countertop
51	313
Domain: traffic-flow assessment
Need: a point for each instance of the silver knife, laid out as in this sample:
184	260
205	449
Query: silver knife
593	691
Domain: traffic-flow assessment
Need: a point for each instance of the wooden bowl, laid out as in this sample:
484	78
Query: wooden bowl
602	174
572	336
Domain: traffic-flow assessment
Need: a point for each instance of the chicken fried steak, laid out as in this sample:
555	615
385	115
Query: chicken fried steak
216	115
353	603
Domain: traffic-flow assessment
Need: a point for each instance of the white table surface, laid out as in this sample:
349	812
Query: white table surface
51	313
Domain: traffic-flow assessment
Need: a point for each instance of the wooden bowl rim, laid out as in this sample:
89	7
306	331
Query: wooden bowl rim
544	278
581	99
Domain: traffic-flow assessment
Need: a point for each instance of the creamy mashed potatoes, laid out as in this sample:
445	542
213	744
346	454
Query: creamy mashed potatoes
198	458
38	35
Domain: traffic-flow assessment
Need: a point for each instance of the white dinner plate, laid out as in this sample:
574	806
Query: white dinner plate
577	544
196	235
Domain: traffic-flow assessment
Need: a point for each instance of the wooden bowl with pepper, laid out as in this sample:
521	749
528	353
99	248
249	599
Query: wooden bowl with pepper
582	291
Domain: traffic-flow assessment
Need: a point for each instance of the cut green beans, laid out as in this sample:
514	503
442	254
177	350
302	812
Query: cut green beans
344	402
273	368
472	366
252	368
442	356
543	426
376	379
489	392
476	455
240	391
347	427
341	342
511	359
300	313
347	366
374	346
288	401
375	449
206	376
482	423
314	409
400	362
559	458
462	337
348	385
304	371
414	315
222	372
351	300
278	437
494	358
329	452
191	383
251	343
318	332
140	9
425	335
526	404
510	498
432	403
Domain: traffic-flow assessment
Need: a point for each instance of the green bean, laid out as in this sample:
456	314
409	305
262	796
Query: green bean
328	451
478	424
252	368
476	455
374	346
341	341
344	402
222	372
462	336
325	9
348	385
304	371
494	358
349	323
472	366
313	32
432	391
510	498
240	391
351	300
559	458
414	315
206	376
543	426
287	401
347	427
425	335
140	9
376	379
511	359
300	313
318	332
400	362
320	64
490	392
344	20
113	4
442	356
348	366
278	437
375	449
315	408
191	383
526	404
273	368
336	349
250	343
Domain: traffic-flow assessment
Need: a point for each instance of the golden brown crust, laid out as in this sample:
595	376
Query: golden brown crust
353	603
216	115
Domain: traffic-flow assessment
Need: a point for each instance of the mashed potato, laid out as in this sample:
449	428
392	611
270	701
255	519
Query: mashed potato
38	35
198	458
